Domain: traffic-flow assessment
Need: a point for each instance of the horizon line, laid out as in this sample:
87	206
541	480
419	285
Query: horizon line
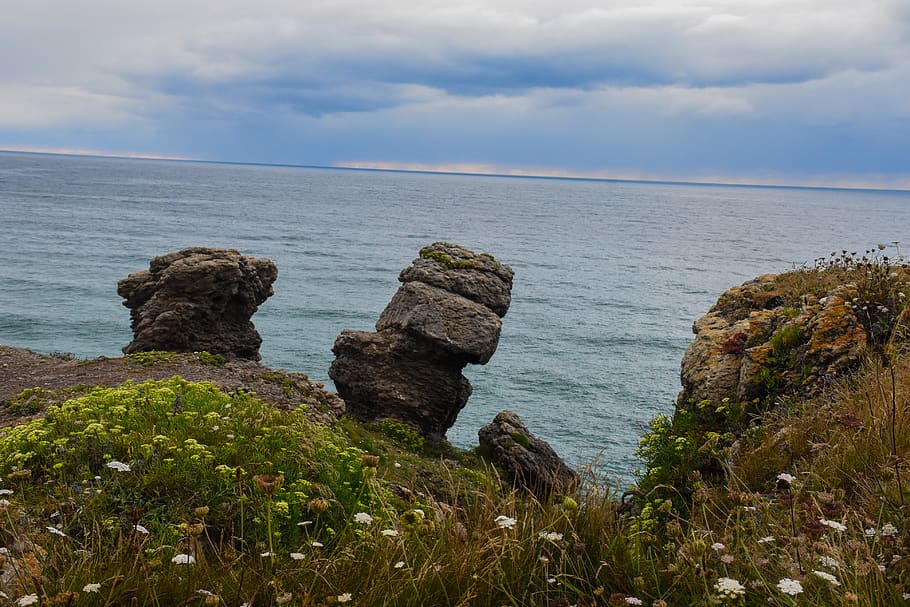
482	170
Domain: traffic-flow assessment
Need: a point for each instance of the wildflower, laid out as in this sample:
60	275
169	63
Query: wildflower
398	565
141	529
888	530
6	491
118	466
390	532
766	540
4	503
827	577
363	518
268	482
420	513
183	559
827	561
631	600
397	465
727	558
55	531
505	522
552	536
870	532
551	580
265	554
728	588
717	546
28	599
344	598
316	544
788	586
787	478
284	598
833	524
91	588
297	556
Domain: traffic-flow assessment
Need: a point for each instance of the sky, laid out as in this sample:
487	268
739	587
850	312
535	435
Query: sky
758	91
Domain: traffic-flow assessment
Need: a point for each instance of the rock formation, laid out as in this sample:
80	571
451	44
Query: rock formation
531	462
445	315
198	299
752	344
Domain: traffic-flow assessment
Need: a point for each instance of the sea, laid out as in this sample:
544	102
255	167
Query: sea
609	275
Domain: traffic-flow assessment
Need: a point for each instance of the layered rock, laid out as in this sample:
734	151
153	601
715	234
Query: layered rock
530	461
752	344
445	315
198	299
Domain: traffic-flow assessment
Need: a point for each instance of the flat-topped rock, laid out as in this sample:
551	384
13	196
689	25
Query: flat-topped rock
198	299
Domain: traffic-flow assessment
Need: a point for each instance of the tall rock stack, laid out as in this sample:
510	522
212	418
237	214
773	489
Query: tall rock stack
198	299
445	315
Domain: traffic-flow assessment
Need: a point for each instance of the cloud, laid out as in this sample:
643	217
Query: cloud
659	84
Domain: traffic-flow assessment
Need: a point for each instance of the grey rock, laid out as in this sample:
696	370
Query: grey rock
410	368
458	325
532	462
198	299
477	277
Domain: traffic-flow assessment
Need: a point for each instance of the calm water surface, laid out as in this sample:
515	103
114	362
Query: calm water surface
608	275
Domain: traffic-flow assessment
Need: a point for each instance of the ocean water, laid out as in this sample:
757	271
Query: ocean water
609	276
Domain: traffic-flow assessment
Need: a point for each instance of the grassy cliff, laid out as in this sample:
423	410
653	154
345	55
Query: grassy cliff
172	492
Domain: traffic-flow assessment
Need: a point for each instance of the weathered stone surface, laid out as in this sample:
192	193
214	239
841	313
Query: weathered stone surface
390	374
198	299
531	462
410	369
477	277
458	325
750	345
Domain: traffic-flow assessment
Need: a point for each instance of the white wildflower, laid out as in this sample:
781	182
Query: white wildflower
55	531
728	588
6	491
506	522
118	466
91	588
870	532
183	559
420	513
141	529
4	503
398	565
363	518
631	600
833	524
791	587
718	547
284	598
888	530
552	536
344	598
297	556
390	532
827	577
766	540
28	599
316	544
827	561
787	478
265	554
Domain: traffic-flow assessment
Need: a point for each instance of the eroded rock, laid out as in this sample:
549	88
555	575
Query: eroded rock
198	299
445	315
750	345
530	461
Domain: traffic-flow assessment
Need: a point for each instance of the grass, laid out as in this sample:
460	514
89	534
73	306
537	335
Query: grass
174	493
